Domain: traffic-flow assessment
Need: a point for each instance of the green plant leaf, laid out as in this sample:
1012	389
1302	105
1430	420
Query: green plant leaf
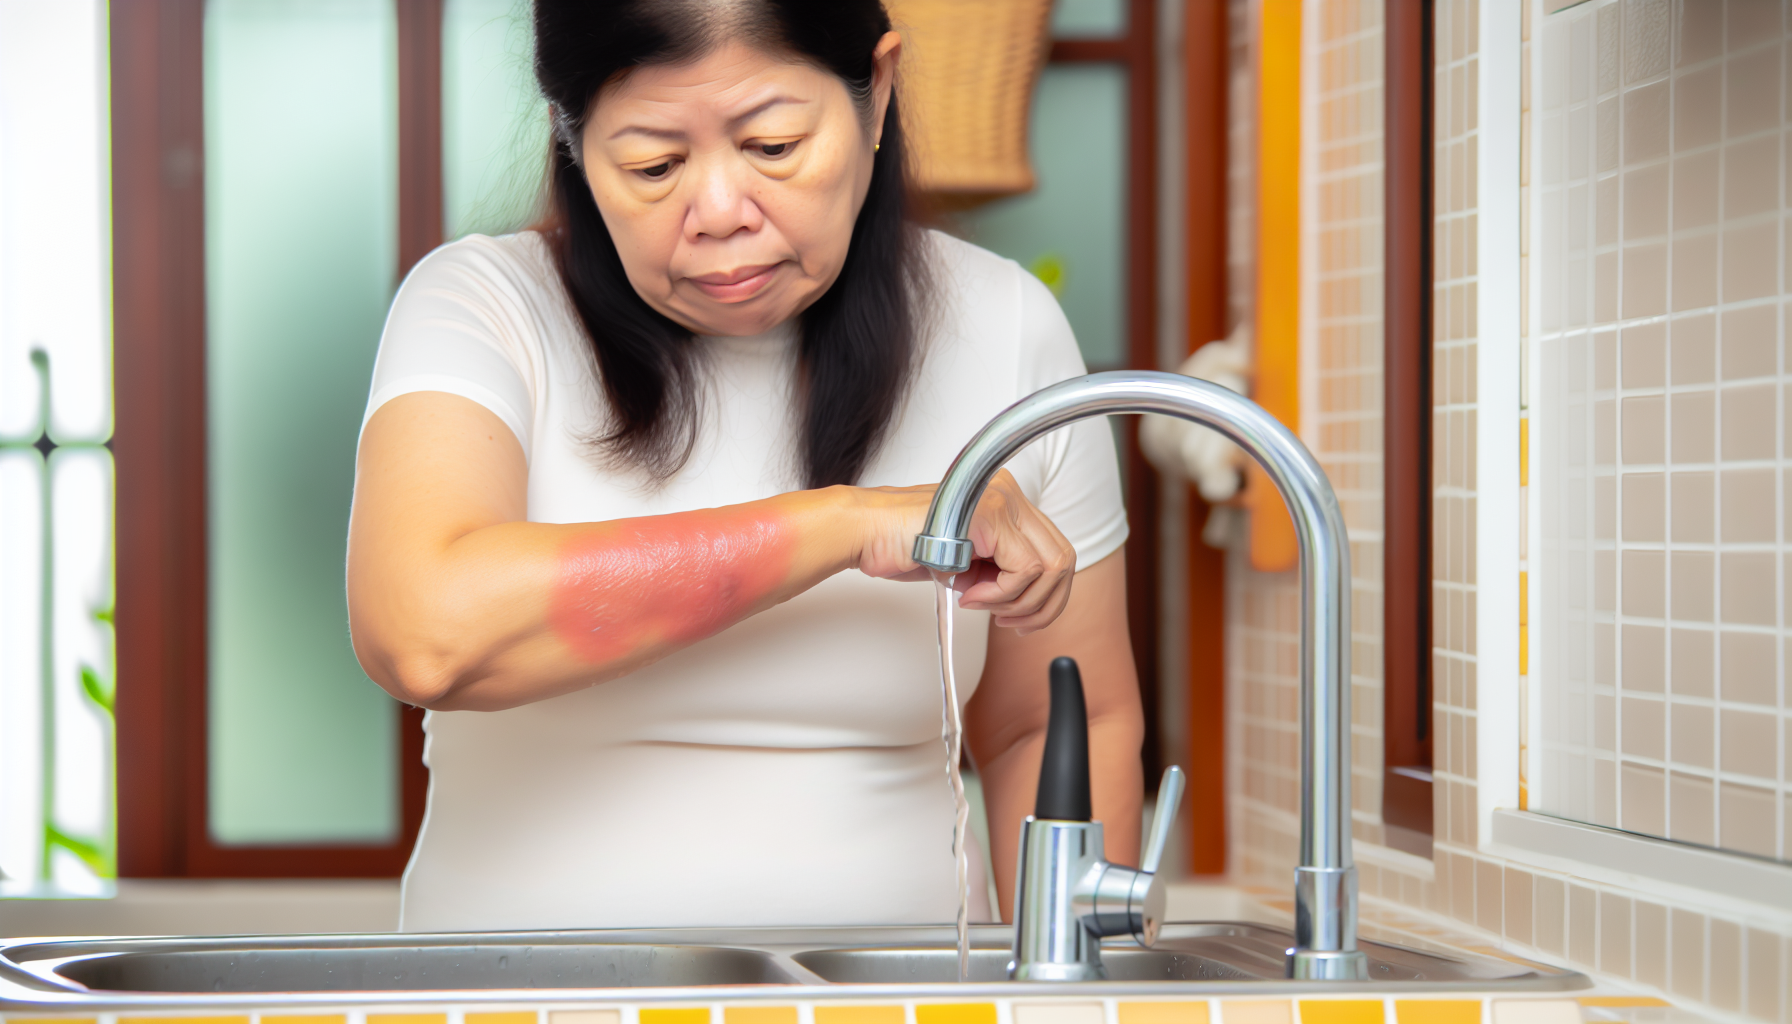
104	615
90	853
96	690
1050	269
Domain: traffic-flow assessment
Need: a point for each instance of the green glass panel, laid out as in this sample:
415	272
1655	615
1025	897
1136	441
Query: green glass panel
1088	19
494	122
301	179
1071	230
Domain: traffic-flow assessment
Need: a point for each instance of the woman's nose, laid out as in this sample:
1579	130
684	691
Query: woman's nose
720	202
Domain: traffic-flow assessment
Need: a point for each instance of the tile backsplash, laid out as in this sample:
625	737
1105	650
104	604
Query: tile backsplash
1665	296
1658	164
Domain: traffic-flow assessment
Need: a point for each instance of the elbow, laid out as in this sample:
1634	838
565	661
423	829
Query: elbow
422	671
425	682
420	678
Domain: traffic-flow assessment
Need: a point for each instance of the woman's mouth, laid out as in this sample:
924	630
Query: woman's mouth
735	285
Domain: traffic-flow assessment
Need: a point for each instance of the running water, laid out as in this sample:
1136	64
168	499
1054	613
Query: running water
953	726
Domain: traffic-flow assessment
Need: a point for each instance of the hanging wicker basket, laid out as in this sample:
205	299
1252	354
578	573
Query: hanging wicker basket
968	71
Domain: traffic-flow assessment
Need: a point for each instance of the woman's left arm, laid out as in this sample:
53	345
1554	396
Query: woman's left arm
1005	721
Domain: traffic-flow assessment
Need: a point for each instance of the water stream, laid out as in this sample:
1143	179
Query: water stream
952	720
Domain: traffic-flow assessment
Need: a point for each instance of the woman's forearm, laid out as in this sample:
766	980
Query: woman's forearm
1006	720
1011	779
517	612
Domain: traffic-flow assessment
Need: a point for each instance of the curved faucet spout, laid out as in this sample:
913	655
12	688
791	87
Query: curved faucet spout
1325	882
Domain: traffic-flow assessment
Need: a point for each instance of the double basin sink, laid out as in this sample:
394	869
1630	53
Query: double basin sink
310	970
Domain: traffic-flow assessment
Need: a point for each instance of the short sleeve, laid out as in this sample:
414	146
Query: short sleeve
454	327
1075	471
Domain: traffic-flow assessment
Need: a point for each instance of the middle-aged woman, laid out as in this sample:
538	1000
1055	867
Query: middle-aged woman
630	515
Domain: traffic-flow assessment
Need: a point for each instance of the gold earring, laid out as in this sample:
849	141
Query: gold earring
875	146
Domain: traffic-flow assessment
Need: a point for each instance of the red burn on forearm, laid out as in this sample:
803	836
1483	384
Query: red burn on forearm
634	584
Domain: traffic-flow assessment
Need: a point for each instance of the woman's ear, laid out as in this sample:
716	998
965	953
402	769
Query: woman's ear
883	78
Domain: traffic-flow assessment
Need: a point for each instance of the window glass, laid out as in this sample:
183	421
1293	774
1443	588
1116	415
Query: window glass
1657	421
56	577
301	179
1088	19
1070	231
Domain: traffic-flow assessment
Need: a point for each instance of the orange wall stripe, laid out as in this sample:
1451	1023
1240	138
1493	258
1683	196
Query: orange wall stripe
1277	301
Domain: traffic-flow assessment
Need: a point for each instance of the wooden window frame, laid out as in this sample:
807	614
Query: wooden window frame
1407	726
158	225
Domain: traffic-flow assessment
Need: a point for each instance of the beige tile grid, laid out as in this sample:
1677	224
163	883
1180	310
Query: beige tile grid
1455	137
1660	177
1342	255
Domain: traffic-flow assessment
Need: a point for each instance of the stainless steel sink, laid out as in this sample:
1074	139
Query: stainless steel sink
1186	952
940	964
106	975
423	968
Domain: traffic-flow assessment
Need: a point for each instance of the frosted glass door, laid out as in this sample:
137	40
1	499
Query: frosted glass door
301	199
494	121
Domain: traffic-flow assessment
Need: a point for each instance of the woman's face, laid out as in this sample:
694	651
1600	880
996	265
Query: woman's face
731	184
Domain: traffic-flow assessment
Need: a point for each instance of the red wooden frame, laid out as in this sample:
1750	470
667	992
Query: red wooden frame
1406	783
1206	46
158	223
1135	50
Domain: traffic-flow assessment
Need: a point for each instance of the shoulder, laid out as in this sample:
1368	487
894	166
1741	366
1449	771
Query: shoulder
519	263
965	269
994	304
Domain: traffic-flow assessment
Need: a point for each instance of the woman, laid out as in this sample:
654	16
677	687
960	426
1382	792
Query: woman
616	472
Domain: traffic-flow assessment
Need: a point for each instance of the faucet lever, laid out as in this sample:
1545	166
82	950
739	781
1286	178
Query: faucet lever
1163	818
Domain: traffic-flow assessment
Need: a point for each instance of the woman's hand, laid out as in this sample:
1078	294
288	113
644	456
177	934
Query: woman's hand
1022	568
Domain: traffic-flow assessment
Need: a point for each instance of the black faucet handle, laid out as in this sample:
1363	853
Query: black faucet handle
1064	771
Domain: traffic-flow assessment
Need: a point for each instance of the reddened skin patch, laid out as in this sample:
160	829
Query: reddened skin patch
636	584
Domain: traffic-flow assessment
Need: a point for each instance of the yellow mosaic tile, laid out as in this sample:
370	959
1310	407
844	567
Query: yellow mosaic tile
514	1017
238	1019
583	1016
1257	1011
1163	1013
759	1014
1059	1013
407	1018
1437	1011
830	1014
324	1018
675	1015
1341	1011
955	1013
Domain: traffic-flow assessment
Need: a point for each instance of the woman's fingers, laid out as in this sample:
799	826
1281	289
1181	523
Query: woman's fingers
1032	562
1023	565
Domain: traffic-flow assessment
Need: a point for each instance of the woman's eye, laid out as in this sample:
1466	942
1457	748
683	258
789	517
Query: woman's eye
657	170
775	149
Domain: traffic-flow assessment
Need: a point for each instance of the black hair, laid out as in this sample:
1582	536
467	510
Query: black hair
858	341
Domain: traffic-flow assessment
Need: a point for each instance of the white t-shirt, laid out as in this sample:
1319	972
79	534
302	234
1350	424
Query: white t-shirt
788	770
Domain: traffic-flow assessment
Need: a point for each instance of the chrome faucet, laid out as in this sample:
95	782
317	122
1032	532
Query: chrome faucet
1325	893
1067	897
